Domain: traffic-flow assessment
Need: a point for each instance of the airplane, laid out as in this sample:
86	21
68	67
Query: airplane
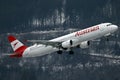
80	39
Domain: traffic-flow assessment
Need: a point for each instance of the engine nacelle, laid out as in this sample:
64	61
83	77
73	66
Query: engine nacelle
67	44
84	44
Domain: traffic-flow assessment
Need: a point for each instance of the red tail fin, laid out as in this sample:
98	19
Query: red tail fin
17	46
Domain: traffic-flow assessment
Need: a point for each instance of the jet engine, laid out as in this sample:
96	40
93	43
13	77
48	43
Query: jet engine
67	44
84	44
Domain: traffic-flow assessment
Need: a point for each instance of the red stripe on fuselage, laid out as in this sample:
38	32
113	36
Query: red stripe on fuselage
19	52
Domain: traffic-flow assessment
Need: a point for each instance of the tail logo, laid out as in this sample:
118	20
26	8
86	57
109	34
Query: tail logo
15	44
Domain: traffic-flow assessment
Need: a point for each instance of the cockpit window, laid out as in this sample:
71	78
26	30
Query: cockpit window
109	24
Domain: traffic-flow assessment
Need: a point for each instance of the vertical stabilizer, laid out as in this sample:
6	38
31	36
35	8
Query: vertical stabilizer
17	46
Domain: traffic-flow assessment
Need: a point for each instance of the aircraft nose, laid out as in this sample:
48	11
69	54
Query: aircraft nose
115	27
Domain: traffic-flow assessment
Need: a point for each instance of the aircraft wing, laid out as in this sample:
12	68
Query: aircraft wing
46	42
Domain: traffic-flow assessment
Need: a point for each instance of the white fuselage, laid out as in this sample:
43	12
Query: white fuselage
78	37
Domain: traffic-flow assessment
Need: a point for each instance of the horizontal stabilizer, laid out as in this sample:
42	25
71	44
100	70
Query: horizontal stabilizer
12	55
